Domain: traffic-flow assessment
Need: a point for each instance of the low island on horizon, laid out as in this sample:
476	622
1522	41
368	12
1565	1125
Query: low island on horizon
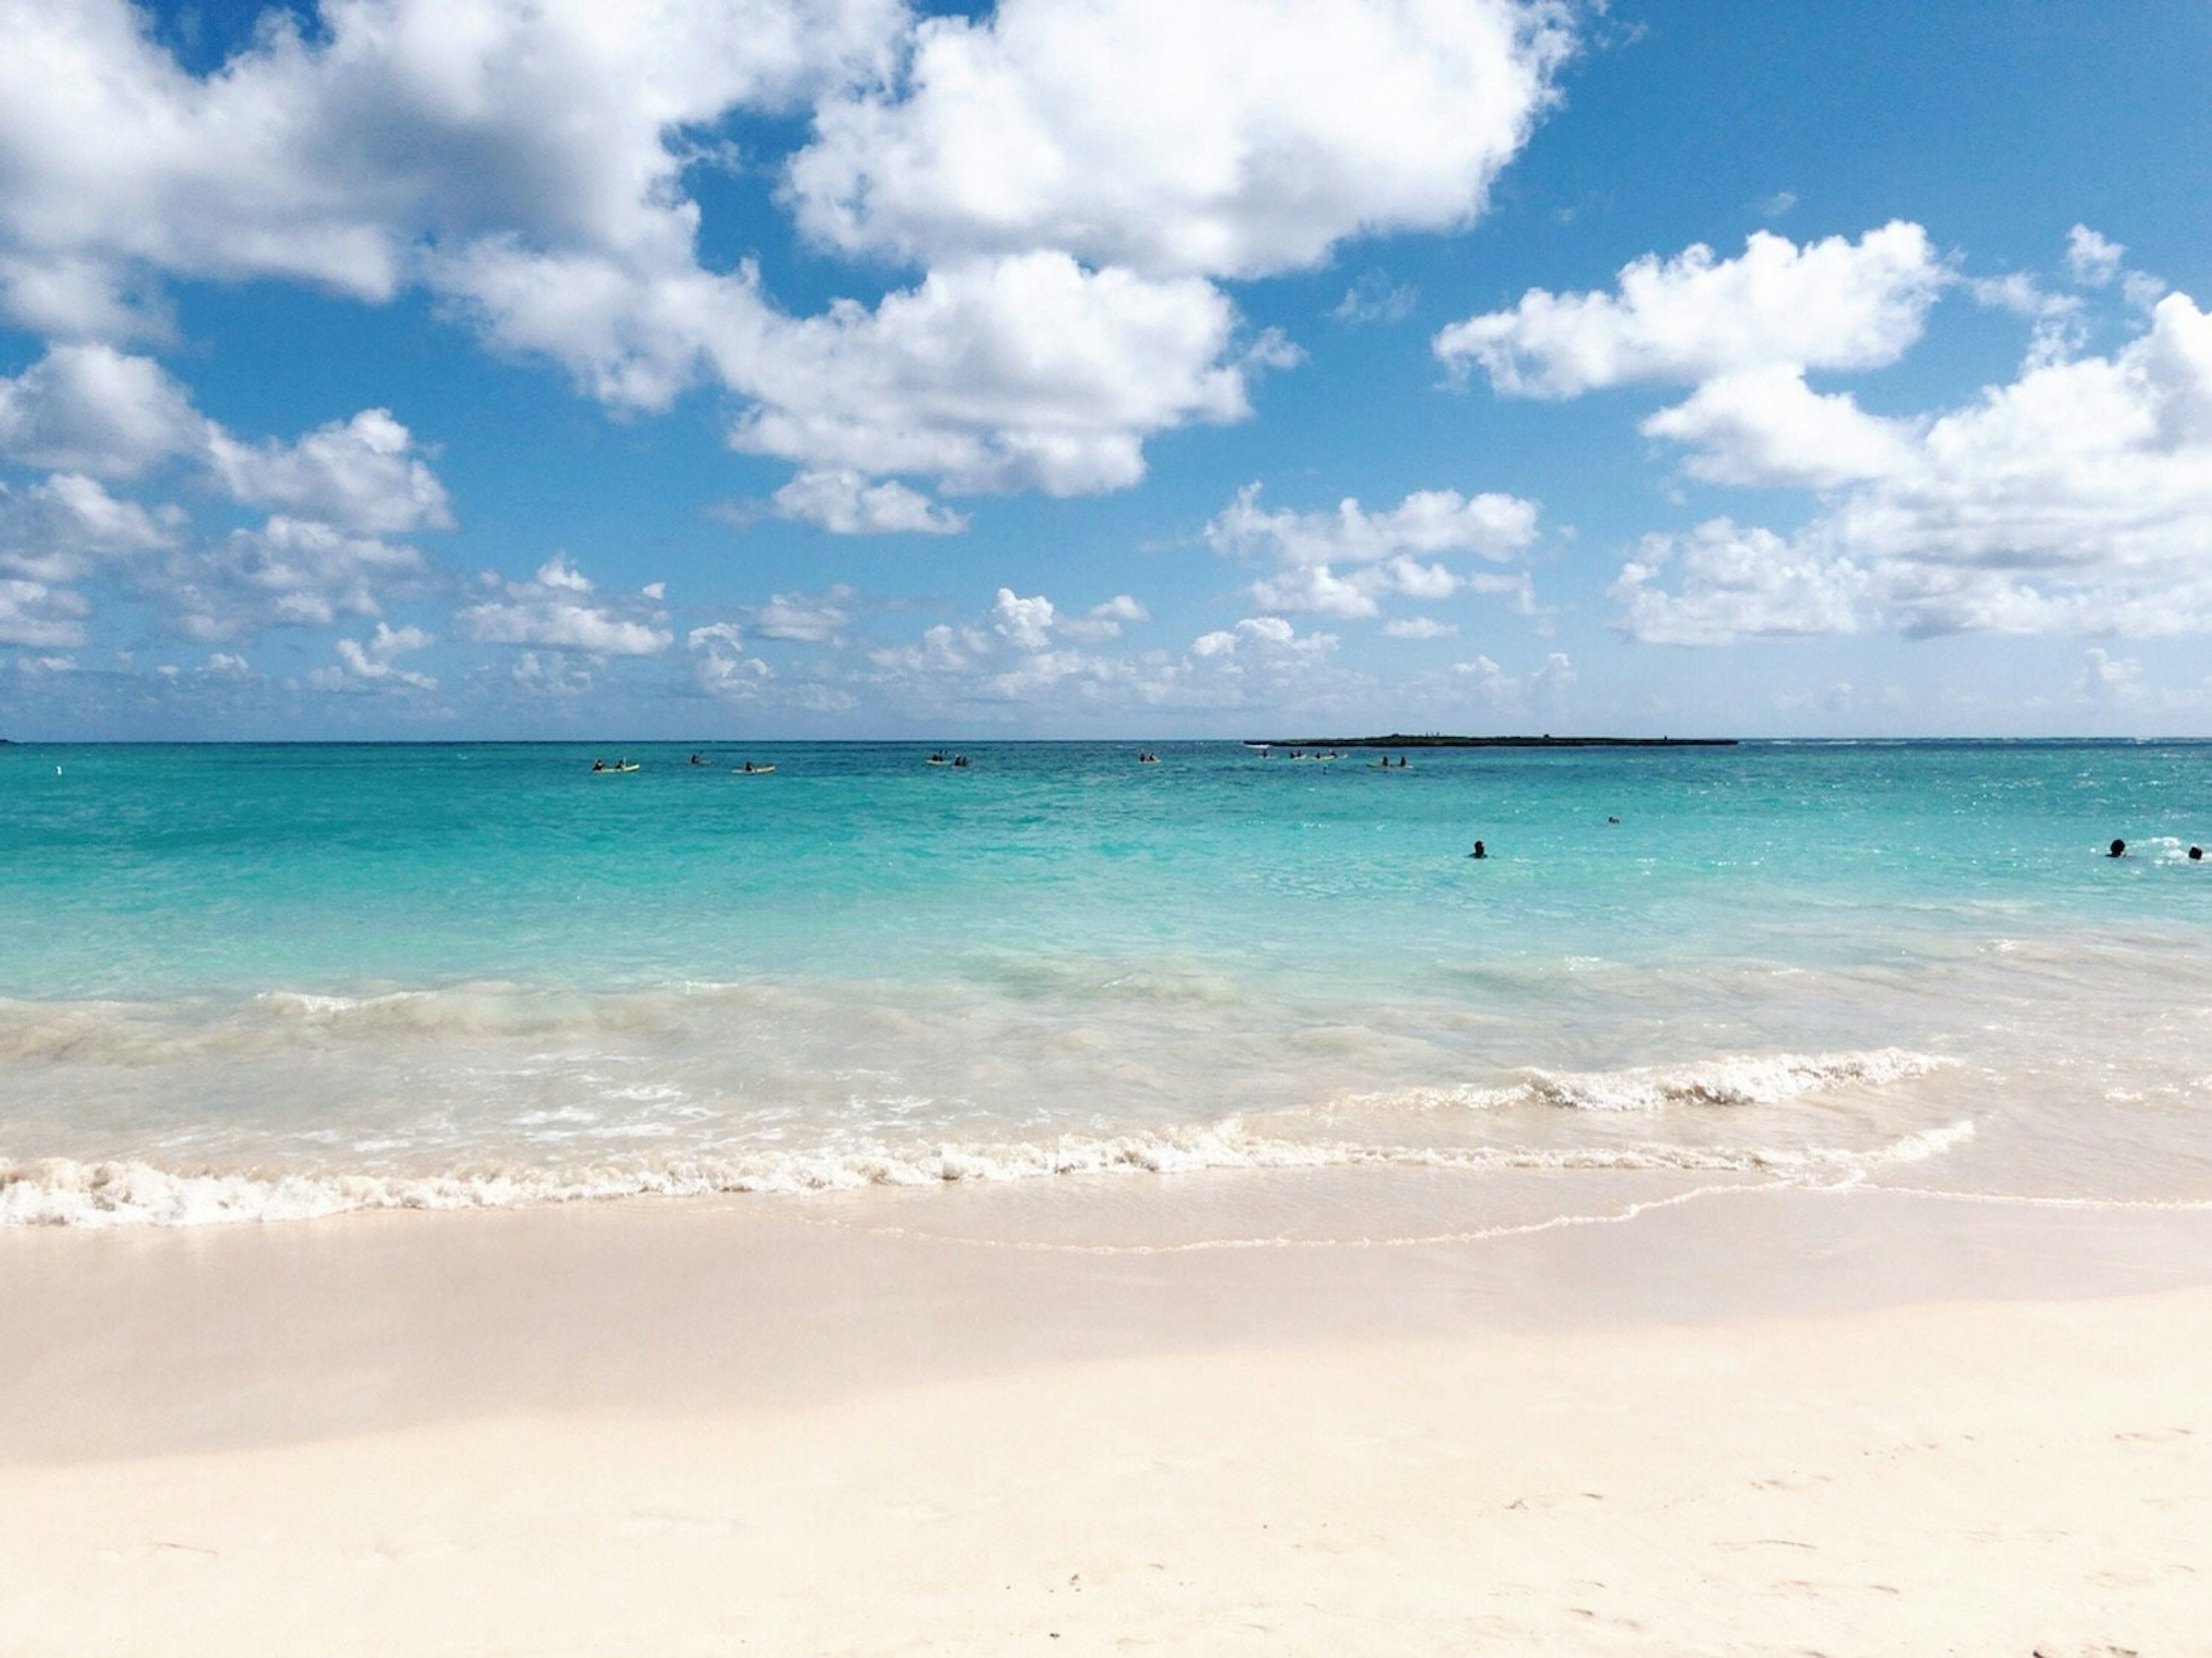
1442	740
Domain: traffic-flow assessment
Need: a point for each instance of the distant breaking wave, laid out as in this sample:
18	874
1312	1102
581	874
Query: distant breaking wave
59	1192
1742	1080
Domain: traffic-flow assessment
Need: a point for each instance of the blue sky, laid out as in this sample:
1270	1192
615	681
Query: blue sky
842	368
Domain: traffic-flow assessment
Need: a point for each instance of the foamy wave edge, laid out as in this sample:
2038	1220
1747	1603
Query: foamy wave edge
1748	1079
57	1192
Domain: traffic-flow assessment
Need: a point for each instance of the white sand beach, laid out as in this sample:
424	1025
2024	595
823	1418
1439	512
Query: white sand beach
1760	1422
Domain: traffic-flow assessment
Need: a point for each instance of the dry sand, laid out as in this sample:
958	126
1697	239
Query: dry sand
1757	1422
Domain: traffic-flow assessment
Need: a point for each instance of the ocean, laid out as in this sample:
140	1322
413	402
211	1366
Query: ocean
244	982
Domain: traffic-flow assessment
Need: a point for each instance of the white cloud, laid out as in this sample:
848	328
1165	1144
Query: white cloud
845	503
367	664
1022	654
1234	138
1832	304
92	409
1540	687
1373	298
414	122
1765	426
2108	678
363	474
1026	622
2077	498
1028	372
808	618
36	614
1735	583
560	608
720	666
1386	550
57	531
1264	636
1105	620
1419	627
552	676
1071	175
527	166
2091	261
291	571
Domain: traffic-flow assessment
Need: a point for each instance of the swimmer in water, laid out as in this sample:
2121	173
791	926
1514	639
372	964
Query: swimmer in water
1478	851
2119	849
2196	855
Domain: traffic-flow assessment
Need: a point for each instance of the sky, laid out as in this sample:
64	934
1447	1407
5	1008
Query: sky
714	369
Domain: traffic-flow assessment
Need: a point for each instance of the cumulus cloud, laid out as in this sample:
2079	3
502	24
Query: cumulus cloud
96	413
1765	425
2091	260
845	503
59	530
93	409
808	618
367	664
1026	371
2076	498
1262	636
37	614
2108	678
527	165
1235	138
1105	620
414	122
1022	652
288	572
720	667
1390	552
1026	622
1419	627
1485	681
1735	583
560	608
1830	304
363	474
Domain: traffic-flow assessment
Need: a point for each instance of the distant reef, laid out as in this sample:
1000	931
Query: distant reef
1440	740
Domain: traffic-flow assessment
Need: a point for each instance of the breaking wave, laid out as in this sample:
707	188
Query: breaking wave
1742	1080
59	1192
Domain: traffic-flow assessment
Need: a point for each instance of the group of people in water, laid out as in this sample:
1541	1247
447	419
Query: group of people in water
2119	849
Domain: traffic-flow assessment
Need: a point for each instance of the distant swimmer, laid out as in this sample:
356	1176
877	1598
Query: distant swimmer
698	760
1478	851
1613	820
2196	855
2119	849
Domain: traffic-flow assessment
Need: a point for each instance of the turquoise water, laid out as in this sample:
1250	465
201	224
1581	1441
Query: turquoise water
264	981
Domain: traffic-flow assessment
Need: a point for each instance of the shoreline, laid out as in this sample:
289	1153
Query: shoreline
1747	1422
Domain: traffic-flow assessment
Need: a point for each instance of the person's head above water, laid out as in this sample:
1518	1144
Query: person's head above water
2196	855
2119	849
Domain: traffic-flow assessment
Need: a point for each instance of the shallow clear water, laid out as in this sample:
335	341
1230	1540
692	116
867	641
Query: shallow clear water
285	980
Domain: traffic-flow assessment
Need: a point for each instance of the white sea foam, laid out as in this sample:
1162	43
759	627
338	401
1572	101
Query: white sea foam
1736	1080
62	1192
